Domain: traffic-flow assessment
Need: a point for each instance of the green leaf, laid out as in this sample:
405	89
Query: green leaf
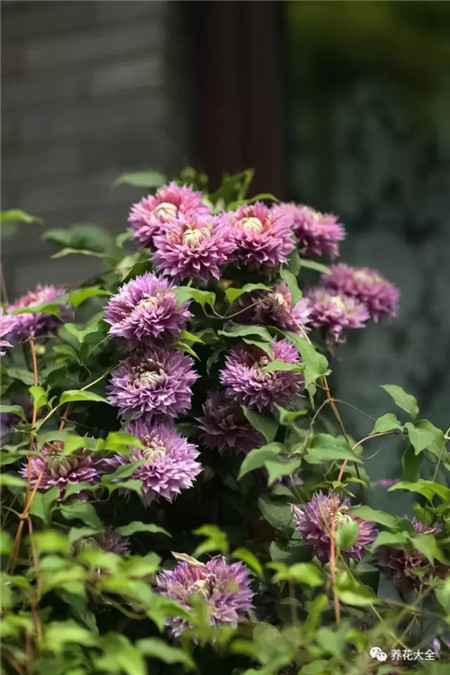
236	330
50	308
39	396
301	573
12	481
375	516
186	335
186	293
6	543
52	541
386	422
148	179
315	364
443	595
138	526
347	534
234	188
19	374
288	416
249	559
427	488
18	216
280	467
59	633
77	297
279	365
426	544
277	513
216	540
411	464
257	458
43	504
292	284
232	294
84	238
77	533
265	424
403	400
14	409
119	441
325	448
77	251
82	511
397	539
351	592
316	266
423	435
156	648
81	395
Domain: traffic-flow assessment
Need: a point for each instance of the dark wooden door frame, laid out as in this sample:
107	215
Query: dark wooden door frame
238	55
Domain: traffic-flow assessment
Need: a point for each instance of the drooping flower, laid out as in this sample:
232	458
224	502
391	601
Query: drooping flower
314	521
108	540
225	589
262	237
247	380
317	233
145	311
35	324
156	382
194	247
406	566
365	285
61	470
8	323
153	214
275	308
332	312
169	461
225	427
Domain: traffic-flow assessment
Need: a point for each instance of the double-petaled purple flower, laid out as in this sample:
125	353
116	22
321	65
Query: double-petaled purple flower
407	566
247	379
37	323
156	382
167	462
108	540
52	468
154	214
225	427
193	248
262	237
317	233
276	308
145	311
8	324
333	312
225	589
315	522
366	286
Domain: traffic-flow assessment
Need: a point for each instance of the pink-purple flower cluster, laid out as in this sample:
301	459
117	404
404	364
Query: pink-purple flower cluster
225	589
8	324
167	461
333	312
314	521
248	380
224	425
37	323
276	308
317	233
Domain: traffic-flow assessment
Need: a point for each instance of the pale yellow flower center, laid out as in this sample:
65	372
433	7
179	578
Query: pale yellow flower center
166	212
154	448
251	224
192	237
150	378
148	301
278	298
368	277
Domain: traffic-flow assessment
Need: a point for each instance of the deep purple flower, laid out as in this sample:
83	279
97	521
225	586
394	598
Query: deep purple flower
169	461
145	311
314	521
37	323
156	382
275	308
365	285
317	233
225	427
262	237
80	466
225	589
333	312
153	214
194	247
247	381
407	566
108	541
8	323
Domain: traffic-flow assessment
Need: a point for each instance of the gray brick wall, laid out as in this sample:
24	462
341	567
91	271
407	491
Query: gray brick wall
90	90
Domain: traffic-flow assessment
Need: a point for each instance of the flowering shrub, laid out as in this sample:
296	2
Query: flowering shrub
181	490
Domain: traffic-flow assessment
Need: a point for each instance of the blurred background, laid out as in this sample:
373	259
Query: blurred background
340	105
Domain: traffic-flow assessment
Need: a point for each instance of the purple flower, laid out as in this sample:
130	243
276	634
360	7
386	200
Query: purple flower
225	427
247	380
365	285
156	382
225	589
169	461
262	237
333	312
317	233
80	466
194	247
8	421
37	323
314	521
8	323
152	215
275	308
108	541
145	311
407	566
